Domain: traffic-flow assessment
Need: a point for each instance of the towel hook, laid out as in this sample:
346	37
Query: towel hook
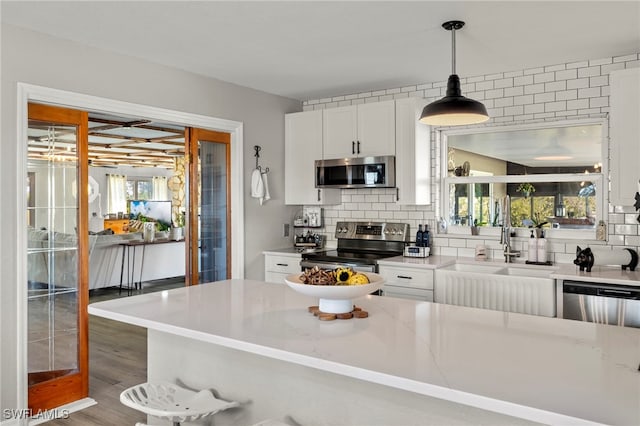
258	148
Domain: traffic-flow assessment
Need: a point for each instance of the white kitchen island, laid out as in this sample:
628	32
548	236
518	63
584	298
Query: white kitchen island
408	363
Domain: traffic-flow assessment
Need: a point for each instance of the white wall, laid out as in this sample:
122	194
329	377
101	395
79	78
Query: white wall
38	59
547	93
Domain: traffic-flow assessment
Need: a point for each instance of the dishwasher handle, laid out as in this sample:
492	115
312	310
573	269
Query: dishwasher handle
602	290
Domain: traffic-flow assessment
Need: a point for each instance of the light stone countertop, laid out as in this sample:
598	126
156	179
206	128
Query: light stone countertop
547	370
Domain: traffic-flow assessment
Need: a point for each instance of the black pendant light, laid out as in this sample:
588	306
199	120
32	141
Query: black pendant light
454	109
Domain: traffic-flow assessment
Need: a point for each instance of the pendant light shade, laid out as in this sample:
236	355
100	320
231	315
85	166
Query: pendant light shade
454	109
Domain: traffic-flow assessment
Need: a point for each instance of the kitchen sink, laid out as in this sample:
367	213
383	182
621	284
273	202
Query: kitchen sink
526	272
464	267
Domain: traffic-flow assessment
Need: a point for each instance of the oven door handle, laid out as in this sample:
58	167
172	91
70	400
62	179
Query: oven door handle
308	264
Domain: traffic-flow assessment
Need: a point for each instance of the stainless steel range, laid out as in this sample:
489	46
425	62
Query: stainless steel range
361	245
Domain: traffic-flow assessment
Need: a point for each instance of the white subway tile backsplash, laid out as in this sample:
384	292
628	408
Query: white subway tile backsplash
522	96
534	108
567	95
523	100
485	85
566	74
544	97
626	229
602	101
503	102
514	91
625	58
544	77
602	80
602	61
502	83
579	83
589	71
555	86
592	92
534	89
555	106
493	94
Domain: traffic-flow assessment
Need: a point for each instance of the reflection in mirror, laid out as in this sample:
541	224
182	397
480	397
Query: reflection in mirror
566	205
552	175
562	149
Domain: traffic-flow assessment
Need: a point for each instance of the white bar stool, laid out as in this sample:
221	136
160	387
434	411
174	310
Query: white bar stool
173	403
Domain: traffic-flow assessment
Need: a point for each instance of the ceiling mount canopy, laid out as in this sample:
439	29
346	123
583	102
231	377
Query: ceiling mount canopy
454	109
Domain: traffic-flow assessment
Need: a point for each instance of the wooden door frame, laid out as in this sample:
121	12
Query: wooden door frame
192	136
51	393
39	94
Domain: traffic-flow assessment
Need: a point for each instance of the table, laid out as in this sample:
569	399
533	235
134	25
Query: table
127	247
409	362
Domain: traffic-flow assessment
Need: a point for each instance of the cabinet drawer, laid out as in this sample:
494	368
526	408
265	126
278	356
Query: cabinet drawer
408	293
284	264
275	277
406	277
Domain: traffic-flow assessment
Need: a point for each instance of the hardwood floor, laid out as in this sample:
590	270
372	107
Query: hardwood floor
117	360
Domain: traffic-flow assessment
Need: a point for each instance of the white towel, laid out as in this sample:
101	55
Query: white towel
265	186
257	187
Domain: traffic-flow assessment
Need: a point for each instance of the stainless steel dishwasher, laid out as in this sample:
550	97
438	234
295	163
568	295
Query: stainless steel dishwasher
601	303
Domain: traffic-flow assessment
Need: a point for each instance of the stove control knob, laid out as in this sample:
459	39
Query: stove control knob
393	231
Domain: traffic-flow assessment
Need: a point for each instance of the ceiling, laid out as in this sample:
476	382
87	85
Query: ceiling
315	49
113	141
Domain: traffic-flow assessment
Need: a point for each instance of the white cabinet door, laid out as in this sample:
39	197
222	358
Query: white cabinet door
376	129
413	154
303	145
406	282
340	132
277	267
365	130
624	124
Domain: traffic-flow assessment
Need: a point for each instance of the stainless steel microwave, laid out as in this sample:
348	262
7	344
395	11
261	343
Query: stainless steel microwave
360	172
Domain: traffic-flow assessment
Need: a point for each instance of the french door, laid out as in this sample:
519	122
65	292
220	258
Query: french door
57	256
209	215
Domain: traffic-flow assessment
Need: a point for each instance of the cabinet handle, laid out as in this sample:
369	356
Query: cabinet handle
319	195
358	147
397	194
282	264
353	147
405	277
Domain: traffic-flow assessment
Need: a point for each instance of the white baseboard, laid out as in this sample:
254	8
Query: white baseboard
61	412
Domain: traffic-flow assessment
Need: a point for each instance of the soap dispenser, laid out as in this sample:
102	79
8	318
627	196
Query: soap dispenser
542	248
532	255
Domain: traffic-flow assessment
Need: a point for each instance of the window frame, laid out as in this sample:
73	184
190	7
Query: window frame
602	183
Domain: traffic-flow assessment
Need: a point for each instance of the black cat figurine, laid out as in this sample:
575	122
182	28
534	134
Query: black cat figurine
585	259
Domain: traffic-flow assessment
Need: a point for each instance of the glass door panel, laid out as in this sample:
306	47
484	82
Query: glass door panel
56	300
209	229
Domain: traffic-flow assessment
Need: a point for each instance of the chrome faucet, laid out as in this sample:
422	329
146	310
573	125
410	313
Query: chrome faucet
505	234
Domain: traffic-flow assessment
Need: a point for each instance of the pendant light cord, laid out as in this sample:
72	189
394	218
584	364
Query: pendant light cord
453	50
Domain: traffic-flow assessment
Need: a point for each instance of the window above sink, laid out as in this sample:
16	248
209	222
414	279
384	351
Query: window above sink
553	172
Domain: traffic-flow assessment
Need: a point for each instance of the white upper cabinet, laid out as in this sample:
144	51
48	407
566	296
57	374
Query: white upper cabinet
364	130
624	125
413	154
303	145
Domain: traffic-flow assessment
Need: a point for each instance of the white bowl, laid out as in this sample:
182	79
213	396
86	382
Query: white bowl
335	299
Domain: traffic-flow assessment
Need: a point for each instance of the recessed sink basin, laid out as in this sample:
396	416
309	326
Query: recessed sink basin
525	272
464	267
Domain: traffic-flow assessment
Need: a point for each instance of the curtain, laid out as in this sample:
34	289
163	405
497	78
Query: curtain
117	193
160	192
